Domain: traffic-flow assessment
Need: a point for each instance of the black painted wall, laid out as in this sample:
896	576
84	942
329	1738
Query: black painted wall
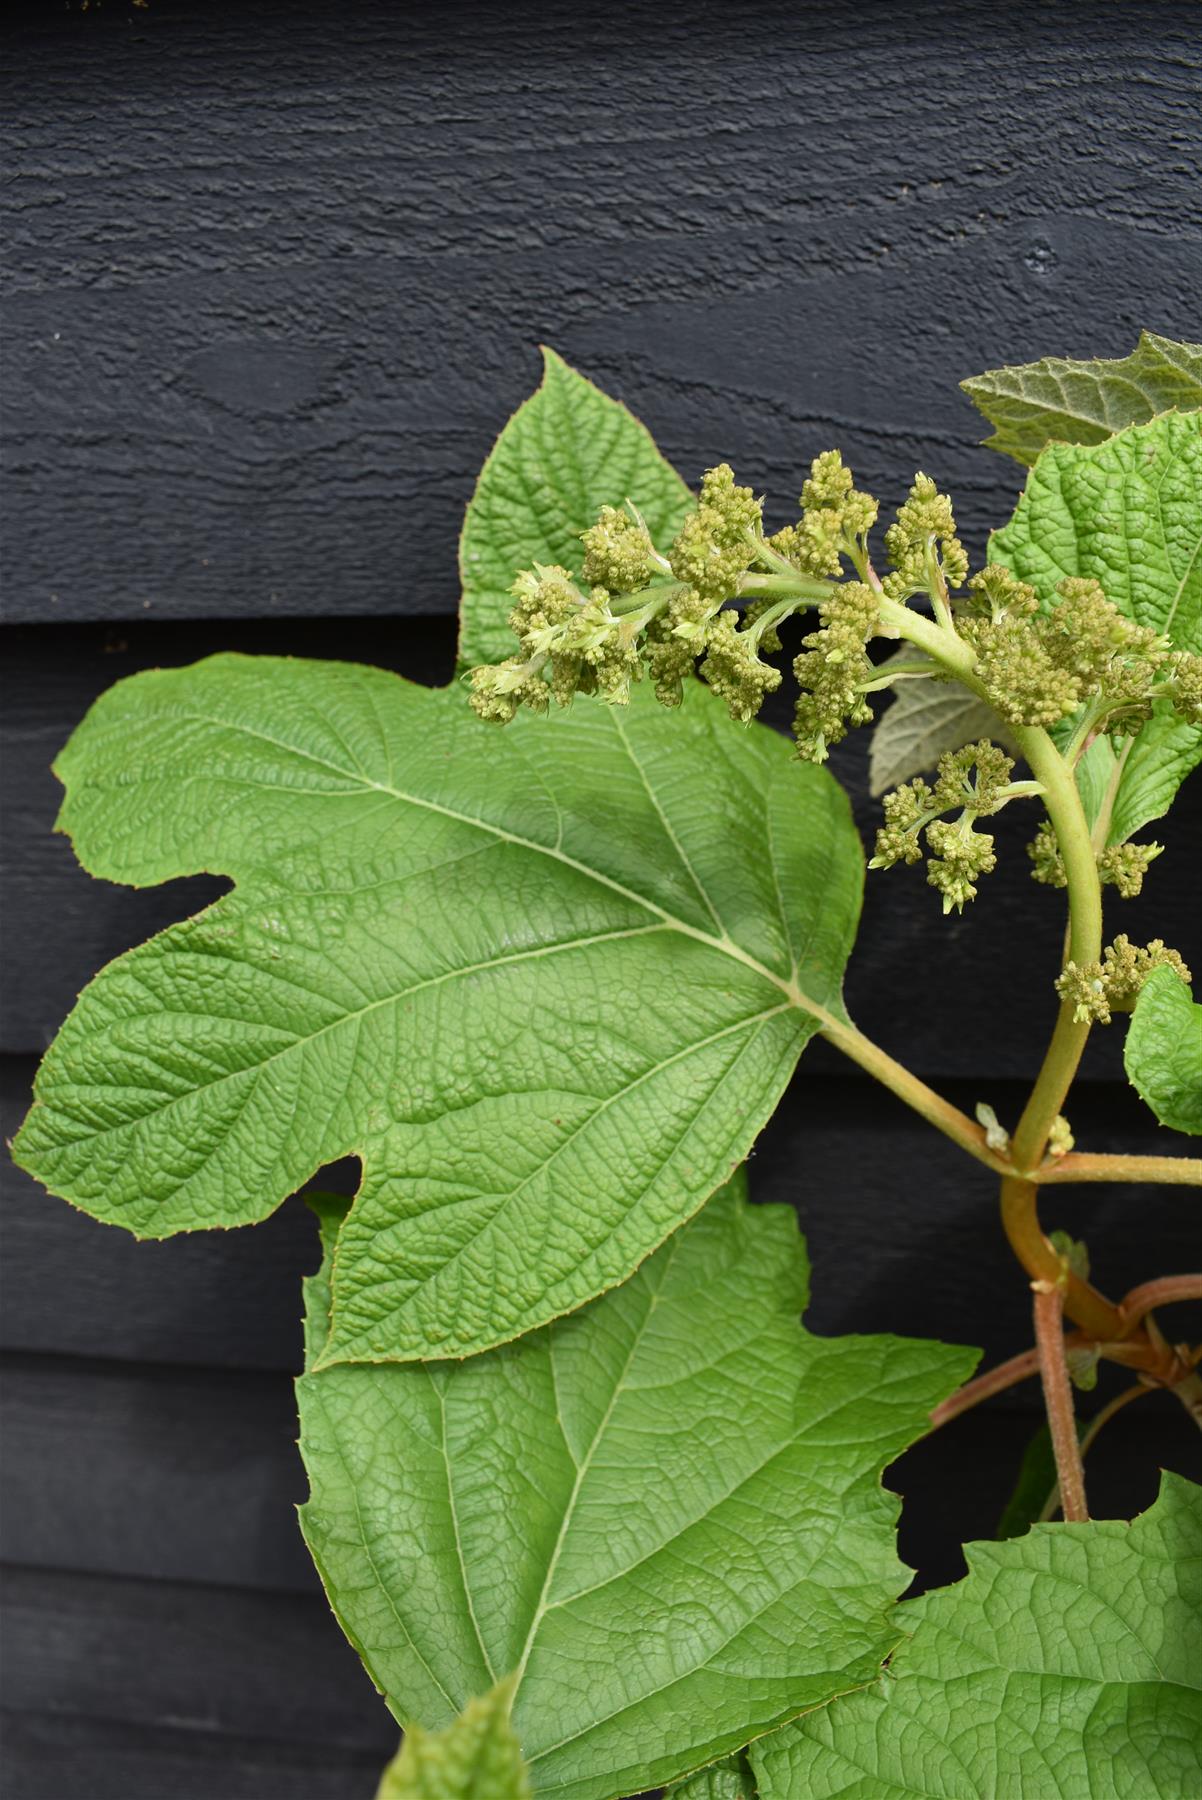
275	276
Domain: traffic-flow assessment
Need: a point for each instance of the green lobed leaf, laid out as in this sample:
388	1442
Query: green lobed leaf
566	453
1129	514
1035	404
548	983
475	1758
924	719
729	1779
663	1515
1163	1052
1066	1666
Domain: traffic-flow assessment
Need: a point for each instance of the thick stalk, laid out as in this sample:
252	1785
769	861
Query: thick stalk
1174	1171
1058	1399
1098	1423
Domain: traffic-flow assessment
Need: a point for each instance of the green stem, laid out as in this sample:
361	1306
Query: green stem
1170	1171
908	1087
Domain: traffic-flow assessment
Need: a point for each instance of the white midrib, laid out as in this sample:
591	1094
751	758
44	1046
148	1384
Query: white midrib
541	1607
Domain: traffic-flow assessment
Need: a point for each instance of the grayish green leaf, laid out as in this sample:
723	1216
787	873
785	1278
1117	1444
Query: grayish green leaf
1066	1666
1035	404
662	1514
1129	514
475	1758
1163	1053
548	982
924	719
566	453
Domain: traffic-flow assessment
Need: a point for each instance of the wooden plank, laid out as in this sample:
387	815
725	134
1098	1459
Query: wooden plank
192	1477
48	1758
277	277
902	1231
224	1663
176	1475
972	1011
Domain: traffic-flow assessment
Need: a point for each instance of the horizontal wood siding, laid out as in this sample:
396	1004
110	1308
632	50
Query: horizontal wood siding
275	277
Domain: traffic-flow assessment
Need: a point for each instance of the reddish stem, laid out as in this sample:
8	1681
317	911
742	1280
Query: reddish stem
1058	1399
1166	1291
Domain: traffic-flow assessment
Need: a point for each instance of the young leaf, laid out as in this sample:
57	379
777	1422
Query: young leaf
1035	404
1066	1666
1128	513
566	453
662	1516
548	983
924	719
475	1758
1163	1053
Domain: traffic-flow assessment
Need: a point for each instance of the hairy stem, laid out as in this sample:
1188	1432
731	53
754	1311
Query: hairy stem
908	1087
1174	1171
983	1387
1166	1291
1058	1399
1100	1419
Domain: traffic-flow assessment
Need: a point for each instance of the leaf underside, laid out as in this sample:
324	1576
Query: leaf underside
1163	1052
661	1516
1058	400
1129	514
1066	1666
547	982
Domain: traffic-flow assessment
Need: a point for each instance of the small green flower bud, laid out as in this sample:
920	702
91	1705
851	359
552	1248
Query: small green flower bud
1184	685
960	855
924	524
500	689
1044	852
617	552
734	671
1125	865
1113	985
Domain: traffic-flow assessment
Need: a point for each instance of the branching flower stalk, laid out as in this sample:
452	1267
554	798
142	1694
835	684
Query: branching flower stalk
713	604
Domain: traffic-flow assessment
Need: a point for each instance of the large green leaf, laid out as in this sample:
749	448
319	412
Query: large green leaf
548	982
1128	513
662	1516
1163	1053
1066	1666
1035	404
475	1758
566	453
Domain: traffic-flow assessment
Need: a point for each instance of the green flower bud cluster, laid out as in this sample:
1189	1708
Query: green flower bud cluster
1183	685
835	522
733	669
833	668
974	781
1121	865
716	544
1099	989
618	552
1037	668
922	545
571	643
